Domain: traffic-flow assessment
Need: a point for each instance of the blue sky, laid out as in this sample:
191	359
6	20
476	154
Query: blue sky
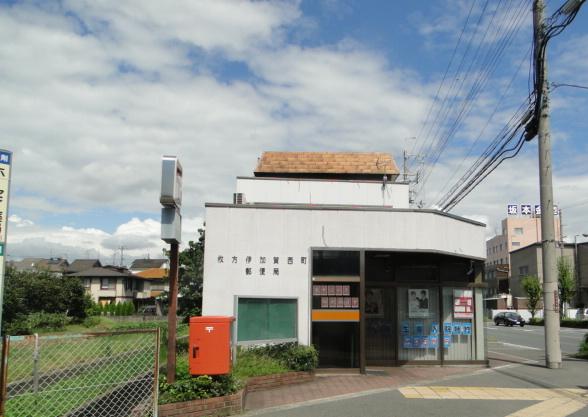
94	94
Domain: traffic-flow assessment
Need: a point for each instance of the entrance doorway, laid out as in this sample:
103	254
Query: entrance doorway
380	322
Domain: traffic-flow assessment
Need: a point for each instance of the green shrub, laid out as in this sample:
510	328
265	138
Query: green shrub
91	321
188	387
37	321
535	321
292	355
250	363
583	352
580	324
301	358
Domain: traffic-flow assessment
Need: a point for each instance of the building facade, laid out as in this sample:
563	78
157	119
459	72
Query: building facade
322	248
528	261
517	232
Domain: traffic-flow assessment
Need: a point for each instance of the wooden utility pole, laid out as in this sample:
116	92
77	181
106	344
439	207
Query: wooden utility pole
550	282
172	313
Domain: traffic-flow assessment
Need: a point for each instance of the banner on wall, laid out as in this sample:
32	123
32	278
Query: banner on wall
418	303
463	304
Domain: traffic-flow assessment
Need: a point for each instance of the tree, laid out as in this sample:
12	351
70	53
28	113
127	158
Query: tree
566	283
191	269
532	287
29	292
190	273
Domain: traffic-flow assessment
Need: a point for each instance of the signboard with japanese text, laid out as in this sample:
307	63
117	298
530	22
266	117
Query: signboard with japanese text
528	210
463	304
271	266
5	164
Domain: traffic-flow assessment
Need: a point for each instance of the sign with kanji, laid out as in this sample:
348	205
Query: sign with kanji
537	210
5	164
513	209
463	304
525	209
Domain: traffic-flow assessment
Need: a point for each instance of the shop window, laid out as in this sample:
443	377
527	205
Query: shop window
335	262
266	319
458	324
418	318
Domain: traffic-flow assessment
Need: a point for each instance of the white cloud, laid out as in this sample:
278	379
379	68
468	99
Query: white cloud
19	221
139	238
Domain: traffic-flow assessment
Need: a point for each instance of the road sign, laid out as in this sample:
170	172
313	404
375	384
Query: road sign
5	165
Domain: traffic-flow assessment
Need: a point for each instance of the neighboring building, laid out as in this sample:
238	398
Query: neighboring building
53	265
80	265
497	279
323	248
26	264
150	284
517	232
583	275
108	284
139	265
528	261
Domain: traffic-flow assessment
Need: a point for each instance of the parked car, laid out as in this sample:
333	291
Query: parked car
509	319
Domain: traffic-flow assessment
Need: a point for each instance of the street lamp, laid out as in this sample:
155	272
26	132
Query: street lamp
577	267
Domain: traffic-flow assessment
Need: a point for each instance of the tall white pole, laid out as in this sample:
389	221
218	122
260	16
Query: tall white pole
550	287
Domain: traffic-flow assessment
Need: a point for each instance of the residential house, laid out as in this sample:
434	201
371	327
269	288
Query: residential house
149	284
139	265
107	284
54	265
80	265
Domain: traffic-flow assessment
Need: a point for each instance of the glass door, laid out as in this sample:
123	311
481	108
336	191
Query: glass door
380	322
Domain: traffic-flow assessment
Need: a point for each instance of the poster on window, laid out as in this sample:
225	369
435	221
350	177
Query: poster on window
374	305
418	303
463	304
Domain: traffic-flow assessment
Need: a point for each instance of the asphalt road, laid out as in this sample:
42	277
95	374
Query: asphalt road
521	353
528	343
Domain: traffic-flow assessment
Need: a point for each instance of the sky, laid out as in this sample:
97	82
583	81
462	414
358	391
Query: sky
92	94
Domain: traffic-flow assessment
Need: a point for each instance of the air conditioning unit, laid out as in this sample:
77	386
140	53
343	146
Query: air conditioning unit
238	198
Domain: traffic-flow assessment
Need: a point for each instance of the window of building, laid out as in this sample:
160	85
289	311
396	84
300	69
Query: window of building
86	282
501	247
107	283
516	243
523	270
139	285
335	262
266	319
518	230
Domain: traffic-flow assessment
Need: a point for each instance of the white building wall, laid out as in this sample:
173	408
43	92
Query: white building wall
287	232
301	191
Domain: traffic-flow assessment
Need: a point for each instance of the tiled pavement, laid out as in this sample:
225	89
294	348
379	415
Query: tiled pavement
330	385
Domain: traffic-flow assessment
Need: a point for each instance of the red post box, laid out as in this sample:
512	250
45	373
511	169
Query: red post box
210	345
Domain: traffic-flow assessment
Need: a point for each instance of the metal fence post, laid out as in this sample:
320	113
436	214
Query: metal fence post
36	364
4	374
155	374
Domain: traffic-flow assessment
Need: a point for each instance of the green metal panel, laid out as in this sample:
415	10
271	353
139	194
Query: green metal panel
266	319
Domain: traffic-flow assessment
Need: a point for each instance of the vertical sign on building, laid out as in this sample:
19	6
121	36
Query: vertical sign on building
5	163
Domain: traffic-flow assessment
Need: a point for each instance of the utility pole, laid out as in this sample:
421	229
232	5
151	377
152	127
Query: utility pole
404	158
550	287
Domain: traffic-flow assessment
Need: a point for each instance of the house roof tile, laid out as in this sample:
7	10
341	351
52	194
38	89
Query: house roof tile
375	163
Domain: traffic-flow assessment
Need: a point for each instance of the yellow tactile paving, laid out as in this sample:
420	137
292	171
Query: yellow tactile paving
554	407
552	402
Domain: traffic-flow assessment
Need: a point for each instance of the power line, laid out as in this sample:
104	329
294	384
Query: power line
487	64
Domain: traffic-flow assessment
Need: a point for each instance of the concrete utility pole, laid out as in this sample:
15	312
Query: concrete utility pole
550	287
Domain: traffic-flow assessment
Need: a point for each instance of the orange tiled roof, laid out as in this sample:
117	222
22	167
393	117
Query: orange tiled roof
327	163
153	273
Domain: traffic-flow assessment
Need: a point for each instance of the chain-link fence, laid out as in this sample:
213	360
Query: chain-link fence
86	375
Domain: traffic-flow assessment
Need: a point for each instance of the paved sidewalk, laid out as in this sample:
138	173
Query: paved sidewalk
332	385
